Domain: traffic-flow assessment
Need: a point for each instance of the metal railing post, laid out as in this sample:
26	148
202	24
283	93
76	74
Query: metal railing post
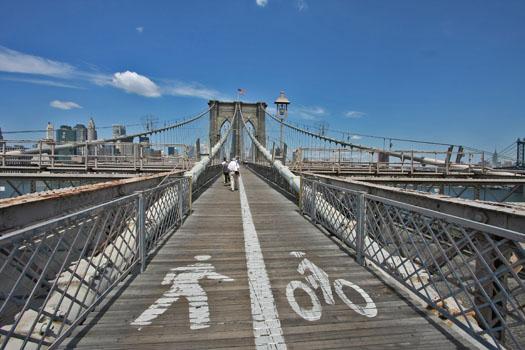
52	154
96	156
141	157
141	231
40	154
360	232
180	201
135	157
3	153
190	193
86	154
300	194
483	162
313	213
412	162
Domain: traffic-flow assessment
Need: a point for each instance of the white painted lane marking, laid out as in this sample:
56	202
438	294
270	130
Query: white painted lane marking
266	324
312	314
185	283
318	278
369	310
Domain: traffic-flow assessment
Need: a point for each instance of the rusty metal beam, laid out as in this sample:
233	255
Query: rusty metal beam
504	215
27	209
442	180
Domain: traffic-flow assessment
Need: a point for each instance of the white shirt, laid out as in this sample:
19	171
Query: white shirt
233	166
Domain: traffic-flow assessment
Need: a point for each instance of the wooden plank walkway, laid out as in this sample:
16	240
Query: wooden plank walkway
218	229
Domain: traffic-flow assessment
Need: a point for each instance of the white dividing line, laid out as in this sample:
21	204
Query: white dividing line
266	324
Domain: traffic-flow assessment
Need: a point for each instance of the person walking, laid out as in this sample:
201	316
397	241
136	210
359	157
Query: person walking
225	172
233	167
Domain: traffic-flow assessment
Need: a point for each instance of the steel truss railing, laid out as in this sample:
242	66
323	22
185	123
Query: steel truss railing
449	166
466	271
92	158
54	273
271	174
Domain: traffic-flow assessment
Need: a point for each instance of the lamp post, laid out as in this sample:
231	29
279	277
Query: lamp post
282	103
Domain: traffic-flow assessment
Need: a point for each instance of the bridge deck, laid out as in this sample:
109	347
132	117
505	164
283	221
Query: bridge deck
216	228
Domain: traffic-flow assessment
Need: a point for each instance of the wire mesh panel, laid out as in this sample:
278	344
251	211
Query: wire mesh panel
185	195
271	174
467	272
210	173
334	208
164	209
55	272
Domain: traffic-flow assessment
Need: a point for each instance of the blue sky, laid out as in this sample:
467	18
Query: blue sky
447	71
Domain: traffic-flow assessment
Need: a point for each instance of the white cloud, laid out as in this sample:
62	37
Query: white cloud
98	78
41	82
12	61
310	112
140	29
134	83
15	63
356	137
354	114
261	3
65	105
302	5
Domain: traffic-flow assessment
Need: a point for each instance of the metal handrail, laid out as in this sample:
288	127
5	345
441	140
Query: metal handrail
468	272
55	272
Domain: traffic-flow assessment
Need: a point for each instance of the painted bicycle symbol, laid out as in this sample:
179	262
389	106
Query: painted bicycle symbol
317	278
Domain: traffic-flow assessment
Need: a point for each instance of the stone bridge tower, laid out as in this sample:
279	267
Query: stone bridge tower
253	113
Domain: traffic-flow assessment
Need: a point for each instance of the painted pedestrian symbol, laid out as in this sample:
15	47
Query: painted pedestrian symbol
184	283
317	278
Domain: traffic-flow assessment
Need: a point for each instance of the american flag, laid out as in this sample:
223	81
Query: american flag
241	91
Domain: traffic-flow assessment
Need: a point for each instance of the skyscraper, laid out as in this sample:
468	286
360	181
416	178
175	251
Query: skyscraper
495	158
65	134
50	130
80	132
91	130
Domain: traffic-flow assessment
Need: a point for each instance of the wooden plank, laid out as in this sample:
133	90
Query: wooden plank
215	228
